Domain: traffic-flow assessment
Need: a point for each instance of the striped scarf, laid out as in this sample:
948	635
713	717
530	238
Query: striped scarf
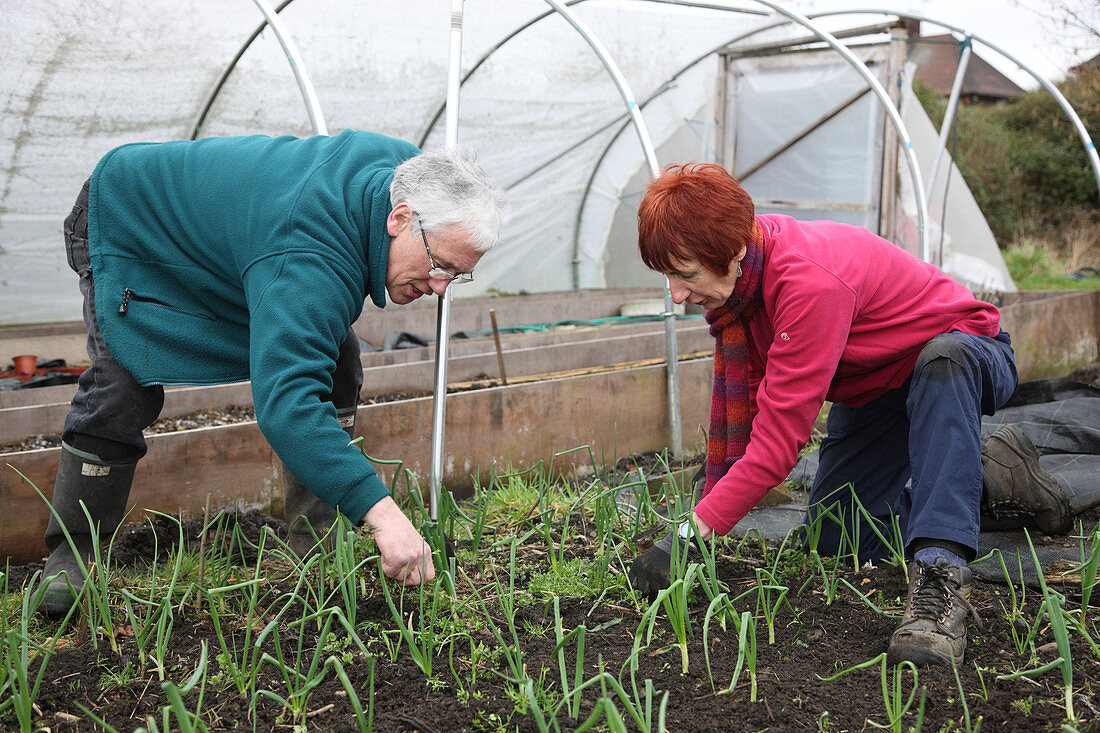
730	418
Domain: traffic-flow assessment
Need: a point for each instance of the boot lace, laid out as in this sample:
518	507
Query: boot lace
935	589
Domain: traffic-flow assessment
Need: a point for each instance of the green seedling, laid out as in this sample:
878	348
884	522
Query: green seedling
300	684
976	725
641	711
573	697
980	671
478	523
346	566
674	600
894	697
419	634
94	595
1090	561
187	721
768	599
18	690
1054	605
894	544
870	604
152	623
510	649
721	607
746	654
836	513
240	662
1015	615
830	579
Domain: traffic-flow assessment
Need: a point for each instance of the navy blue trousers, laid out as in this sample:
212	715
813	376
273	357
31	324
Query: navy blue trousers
914	455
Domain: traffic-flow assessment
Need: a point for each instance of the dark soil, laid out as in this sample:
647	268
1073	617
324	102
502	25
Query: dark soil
813	640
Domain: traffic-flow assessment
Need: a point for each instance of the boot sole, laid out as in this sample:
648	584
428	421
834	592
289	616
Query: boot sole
919	655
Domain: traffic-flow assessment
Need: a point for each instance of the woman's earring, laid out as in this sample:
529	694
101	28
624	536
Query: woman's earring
738	269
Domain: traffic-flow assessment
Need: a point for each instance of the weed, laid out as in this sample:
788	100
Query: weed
113	679
572	578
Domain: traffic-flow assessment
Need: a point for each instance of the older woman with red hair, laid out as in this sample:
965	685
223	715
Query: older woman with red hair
807	312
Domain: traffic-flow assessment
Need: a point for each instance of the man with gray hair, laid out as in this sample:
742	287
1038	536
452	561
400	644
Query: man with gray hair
249	258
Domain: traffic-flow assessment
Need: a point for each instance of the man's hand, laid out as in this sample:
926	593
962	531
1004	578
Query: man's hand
652	570
405	554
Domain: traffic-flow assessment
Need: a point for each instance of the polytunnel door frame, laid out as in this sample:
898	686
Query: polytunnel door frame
879	204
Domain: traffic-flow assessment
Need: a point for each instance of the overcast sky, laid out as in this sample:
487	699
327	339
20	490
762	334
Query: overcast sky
1028	29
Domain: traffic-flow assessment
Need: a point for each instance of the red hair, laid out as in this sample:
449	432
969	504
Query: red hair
695	211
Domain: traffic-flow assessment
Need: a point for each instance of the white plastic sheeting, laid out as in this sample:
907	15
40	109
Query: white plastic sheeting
90	76
81	78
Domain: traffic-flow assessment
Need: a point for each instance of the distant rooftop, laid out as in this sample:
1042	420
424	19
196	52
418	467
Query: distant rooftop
937	58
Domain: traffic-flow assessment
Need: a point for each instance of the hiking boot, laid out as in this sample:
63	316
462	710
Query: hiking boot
1016	492
933	628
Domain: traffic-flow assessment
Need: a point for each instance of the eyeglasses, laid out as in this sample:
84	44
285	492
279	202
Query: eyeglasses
439	272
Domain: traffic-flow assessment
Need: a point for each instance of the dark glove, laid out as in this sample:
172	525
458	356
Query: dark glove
650	572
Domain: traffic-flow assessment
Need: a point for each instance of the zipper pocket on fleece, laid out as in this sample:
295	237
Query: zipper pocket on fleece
128	295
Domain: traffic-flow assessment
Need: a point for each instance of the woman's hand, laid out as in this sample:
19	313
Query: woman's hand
705	532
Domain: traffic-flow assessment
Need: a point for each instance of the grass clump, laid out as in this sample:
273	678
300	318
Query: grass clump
576	578
1071	263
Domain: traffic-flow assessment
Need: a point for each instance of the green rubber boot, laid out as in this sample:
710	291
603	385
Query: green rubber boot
104	490
308	518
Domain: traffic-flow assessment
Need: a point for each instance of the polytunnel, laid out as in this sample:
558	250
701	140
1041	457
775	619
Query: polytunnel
565	477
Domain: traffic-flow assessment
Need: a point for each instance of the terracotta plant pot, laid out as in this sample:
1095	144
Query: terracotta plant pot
25	364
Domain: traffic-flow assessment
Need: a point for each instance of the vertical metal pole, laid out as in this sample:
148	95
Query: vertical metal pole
672	375
721	113
888	182
949	113
443	317
671	364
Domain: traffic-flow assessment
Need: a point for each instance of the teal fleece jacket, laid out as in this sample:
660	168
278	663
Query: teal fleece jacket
228	259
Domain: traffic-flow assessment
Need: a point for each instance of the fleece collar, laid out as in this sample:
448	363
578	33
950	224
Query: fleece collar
376	201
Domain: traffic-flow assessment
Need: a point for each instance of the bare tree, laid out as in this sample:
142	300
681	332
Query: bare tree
1075	23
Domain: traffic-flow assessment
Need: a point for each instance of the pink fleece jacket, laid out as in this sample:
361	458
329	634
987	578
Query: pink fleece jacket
845	315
